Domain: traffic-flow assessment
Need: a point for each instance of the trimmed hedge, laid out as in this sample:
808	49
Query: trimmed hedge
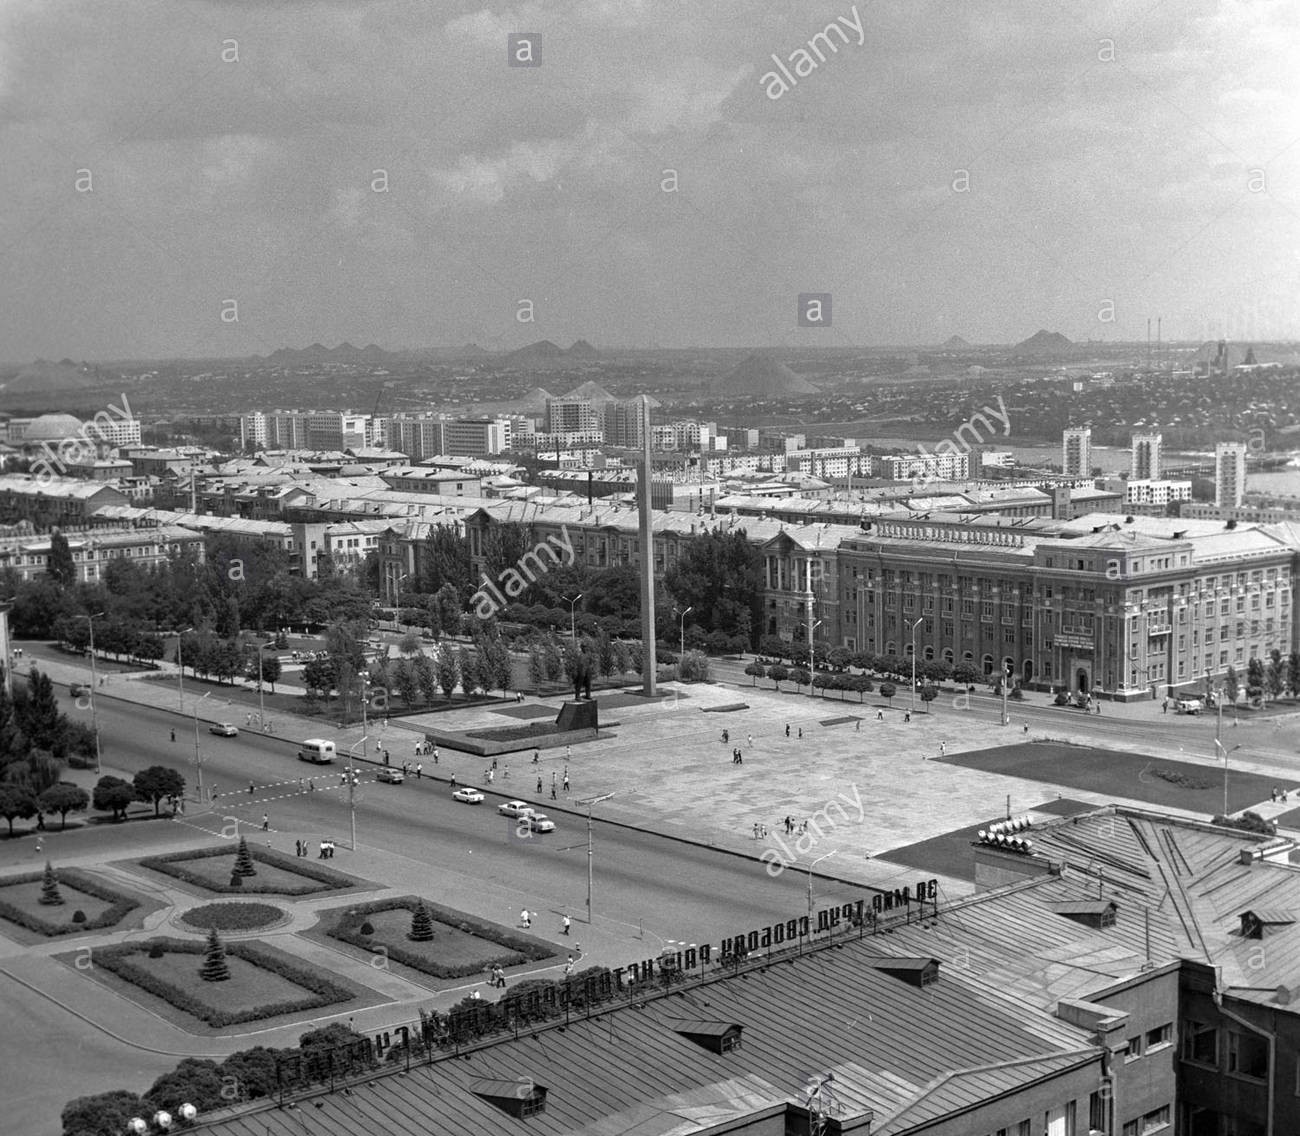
173	864
324	992
531	949
122	905
233	916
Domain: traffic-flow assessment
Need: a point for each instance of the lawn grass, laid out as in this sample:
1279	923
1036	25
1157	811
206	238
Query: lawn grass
104	906
1115	774
277	872
462	944
264	982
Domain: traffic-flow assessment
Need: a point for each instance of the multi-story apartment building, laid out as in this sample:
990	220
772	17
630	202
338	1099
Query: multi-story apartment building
476	437
1145	458
1076	452
928	467
573	415
625	424
1229	474
837	461
93	549
428	479
252	430
1144	491
417	437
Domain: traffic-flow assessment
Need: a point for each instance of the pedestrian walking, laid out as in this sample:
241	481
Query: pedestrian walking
40	845
943	748
1026	729
297	847
505	773
565	924
321	856
801	731
1164	706
453	782
494	764
787	729
568	967
756	830
417	749
907	715
857	726
491	776
566	780
406	768
266	823
537	756
1272	794
434	751
740	757
553	791
568	753
250	787
385	757
539	784
248	721
419	771
880	715
524	920
173	735
749	740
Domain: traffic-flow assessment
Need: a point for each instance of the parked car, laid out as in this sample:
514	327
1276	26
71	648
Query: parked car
223	730
539	822
1189	706
515	809
390	776
468	796
77	689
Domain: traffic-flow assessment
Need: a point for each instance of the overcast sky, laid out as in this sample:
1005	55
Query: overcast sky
979	169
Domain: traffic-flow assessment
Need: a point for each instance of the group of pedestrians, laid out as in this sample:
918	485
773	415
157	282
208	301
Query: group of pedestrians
737	758
326	850
425	748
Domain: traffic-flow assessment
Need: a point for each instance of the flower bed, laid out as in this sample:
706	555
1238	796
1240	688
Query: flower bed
424	956
130	962
233	916
120	905
315	877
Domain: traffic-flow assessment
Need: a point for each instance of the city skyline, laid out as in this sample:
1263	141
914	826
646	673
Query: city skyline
378	173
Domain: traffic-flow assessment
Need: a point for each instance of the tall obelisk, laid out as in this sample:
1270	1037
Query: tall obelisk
649	655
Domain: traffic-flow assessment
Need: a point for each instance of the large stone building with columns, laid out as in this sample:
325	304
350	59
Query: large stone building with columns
1129	607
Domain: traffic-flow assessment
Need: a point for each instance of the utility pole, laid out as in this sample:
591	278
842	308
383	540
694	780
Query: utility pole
198	756
1006	681
261	696
352	793
912	702
810	599
591	852
94	718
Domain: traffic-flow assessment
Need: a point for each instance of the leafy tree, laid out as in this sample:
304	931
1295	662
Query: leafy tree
271	670
1293	674
822	680
839	657
157	784
61	567
930	693
861	684
887	690
103	1114
16	803
467	666
113	795
800	676
63	798
409	644
966	674
1275	674
778	673
1231	686
407	682
694	667
227	625
215	968
244	866
421	924
321	675
447	602
555	661
756	671
447	564
774	647
448	671
252	1070
720	575
195	1081
427	676
536	666
50	894
39	715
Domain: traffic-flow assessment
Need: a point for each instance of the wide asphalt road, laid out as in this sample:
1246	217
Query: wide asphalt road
643	882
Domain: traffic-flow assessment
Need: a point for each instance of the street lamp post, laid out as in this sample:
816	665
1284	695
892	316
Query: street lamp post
261	695
573	626
180	669
397	598
198	756
812	656
352	792
94	717
810	878
914	625
590	849
683	621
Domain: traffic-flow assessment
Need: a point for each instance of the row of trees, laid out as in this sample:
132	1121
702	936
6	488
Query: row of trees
1272	679
111	795
824	681
897	666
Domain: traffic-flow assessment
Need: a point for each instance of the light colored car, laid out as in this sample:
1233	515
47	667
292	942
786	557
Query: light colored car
540	822
515	809
390	776
223	730
77	689
1189	706
468	796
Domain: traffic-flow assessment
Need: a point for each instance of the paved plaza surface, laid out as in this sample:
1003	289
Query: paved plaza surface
884	800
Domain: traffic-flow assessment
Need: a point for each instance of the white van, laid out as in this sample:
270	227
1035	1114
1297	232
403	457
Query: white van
318	751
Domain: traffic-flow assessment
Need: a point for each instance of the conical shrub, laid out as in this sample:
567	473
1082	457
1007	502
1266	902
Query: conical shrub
215	967
50	894
421	925
244	861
